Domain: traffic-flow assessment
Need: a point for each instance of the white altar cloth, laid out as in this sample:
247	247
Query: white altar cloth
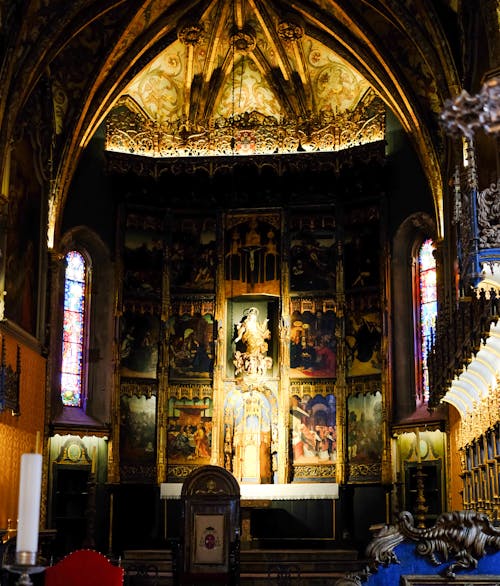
276	492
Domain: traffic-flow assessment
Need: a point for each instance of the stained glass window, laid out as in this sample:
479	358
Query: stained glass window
427	308
73	330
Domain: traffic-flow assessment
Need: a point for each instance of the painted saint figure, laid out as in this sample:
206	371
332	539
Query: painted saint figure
252	359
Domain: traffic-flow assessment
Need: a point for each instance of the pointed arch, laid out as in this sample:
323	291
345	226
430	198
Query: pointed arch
425	300
412	233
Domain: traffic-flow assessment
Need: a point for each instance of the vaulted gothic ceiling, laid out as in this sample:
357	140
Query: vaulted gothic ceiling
243	78
183	65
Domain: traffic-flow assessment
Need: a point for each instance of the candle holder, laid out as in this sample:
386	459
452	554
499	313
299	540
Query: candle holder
421	507
25	565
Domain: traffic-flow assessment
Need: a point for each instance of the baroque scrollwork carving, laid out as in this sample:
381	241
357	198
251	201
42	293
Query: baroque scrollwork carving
364	471
312	472
488	216
458	537
466	114
179	471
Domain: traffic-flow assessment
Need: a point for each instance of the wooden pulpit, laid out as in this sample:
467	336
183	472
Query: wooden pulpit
210	537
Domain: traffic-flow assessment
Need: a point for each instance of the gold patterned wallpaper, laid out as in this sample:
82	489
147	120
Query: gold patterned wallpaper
18	433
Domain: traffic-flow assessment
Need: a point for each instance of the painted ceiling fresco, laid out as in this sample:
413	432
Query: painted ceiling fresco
236	70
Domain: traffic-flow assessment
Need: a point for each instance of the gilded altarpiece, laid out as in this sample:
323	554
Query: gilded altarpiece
251	432
142	249
313	252
365	416
365	422
189	428
190	342
275	375
138	401
313	344
190	334
192	254
250	387
143	256
252	259
313	337
313	430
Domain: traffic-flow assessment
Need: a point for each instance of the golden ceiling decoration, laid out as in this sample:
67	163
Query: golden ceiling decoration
241	80
245	134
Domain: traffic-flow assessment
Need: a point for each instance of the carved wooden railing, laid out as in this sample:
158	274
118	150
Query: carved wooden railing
457	339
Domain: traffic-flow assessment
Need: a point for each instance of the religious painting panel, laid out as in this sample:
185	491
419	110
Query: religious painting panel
137	431
251	433
252	347
21	264
363	334
313	257
191	339
143	252
362	243
252	258
193	255
313	342
139	338
364	435
189	440
313	427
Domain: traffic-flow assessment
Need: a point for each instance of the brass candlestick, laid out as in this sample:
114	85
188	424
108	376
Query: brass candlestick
421	508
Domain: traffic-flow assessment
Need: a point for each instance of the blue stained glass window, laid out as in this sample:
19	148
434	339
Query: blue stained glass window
427	308
73	330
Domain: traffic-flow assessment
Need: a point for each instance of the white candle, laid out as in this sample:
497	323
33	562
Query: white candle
30	487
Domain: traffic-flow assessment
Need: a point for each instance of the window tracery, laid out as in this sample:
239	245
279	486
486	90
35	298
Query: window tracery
427	311
73	337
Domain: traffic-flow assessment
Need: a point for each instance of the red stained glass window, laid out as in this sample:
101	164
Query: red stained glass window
73	330
427	308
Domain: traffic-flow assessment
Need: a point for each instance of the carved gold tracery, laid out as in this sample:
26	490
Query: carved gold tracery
245	134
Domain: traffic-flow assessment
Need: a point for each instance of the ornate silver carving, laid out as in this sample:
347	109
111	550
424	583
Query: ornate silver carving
466	114
491	109
458	537
488	216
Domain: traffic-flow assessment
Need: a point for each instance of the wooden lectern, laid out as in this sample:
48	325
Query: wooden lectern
210	537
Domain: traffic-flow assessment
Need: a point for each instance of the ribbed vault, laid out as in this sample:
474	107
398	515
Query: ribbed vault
97	50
